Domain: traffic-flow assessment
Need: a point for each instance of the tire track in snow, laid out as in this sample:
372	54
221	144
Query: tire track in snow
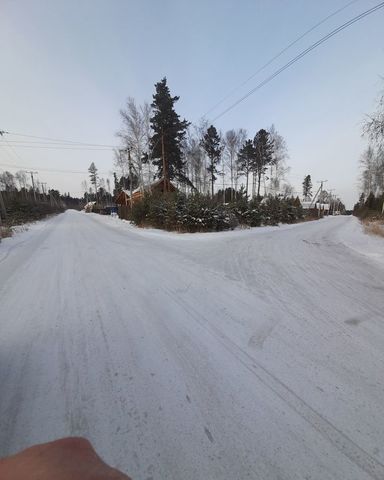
341	441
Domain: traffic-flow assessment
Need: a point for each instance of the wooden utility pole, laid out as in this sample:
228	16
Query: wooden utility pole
223	173
130	177
33	183
2	206
42	186
331	201
165	167
320	195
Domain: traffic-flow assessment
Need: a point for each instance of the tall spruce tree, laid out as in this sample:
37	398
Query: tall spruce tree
263	155
307	187
245	160
93	177
212	144
169	132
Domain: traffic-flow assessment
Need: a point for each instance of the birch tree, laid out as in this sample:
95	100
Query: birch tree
134	136
278	167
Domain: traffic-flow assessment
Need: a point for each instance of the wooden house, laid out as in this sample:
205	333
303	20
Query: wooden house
123	200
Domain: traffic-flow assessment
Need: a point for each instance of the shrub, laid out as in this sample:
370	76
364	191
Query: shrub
197	213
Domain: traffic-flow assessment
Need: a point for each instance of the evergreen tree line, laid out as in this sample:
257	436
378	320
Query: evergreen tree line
200	213
20	202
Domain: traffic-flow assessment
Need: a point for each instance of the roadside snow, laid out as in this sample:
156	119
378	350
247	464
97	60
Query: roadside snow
369	245
20	234
246	354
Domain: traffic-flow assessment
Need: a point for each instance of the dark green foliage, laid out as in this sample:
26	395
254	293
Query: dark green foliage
211	143
246	159
307	187
230	195
125	182
200	213
116	185
20	211
273	208
169	131
264	146
93	175
371	207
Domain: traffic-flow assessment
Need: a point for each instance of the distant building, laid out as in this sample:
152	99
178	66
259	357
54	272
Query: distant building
308	205
89	207
123	198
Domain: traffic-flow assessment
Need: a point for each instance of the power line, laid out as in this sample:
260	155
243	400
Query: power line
263	67
23	167
40	142
12	150
301	55
59	140
61	147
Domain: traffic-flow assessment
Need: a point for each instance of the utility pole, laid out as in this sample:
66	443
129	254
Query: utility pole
320	196
223	173
50	197
331	202
2	206
165	169
42	186
33	183
130	177
128	152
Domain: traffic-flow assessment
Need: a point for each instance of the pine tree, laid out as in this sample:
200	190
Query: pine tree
93	176
211	143
307	188
245	159
263	155
169	132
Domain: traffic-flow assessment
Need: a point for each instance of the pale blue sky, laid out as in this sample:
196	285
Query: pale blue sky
67	68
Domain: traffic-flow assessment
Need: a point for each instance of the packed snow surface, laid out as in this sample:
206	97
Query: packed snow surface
248	354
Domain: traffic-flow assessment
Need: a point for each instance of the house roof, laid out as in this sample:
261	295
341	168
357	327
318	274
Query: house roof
309	204
146	188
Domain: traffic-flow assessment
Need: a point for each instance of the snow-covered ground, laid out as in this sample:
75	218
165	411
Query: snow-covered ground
248	354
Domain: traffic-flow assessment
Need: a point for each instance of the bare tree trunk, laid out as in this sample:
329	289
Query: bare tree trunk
231	176
258	185
253	184
223	173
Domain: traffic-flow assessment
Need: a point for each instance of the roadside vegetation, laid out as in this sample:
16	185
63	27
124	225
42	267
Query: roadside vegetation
198	213
21	203
222	179
370	207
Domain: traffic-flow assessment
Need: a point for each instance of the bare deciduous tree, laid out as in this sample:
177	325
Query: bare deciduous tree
233	141
372	177
278	167
372	160
134	135
374	125
194	156
7	181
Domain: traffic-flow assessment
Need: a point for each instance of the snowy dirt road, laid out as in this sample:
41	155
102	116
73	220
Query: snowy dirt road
249	354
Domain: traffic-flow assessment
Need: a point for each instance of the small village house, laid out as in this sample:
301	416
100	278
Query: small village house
123	200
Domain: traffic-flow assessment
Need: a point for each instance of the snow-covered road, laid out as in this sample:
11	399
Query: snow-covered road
249	354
